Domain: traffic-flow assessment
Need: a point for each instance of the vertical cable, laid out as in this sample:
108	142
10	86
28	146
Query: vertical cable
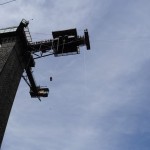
85	72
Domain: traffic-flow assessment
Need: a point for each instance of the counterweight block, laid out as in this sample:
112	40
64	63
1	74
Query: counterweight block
40	92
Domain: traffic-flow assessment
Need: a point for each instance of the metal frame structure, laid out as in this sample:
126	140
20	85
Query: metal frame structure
64	43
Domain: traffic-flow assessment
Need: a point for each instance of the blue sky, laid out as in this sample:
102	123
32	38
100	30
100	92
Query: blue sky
99	99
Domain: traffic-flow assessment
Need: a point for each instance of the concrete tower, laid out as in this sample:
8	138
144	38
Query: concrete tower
12	49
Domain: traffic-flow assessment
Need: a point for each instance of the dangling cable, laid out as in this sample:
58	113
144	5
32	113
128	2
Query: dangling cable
85	72
63	47
7	2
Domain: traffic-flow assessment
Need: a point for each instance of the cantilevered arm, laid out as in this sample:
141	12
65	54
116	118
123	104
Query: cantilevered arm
64	42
